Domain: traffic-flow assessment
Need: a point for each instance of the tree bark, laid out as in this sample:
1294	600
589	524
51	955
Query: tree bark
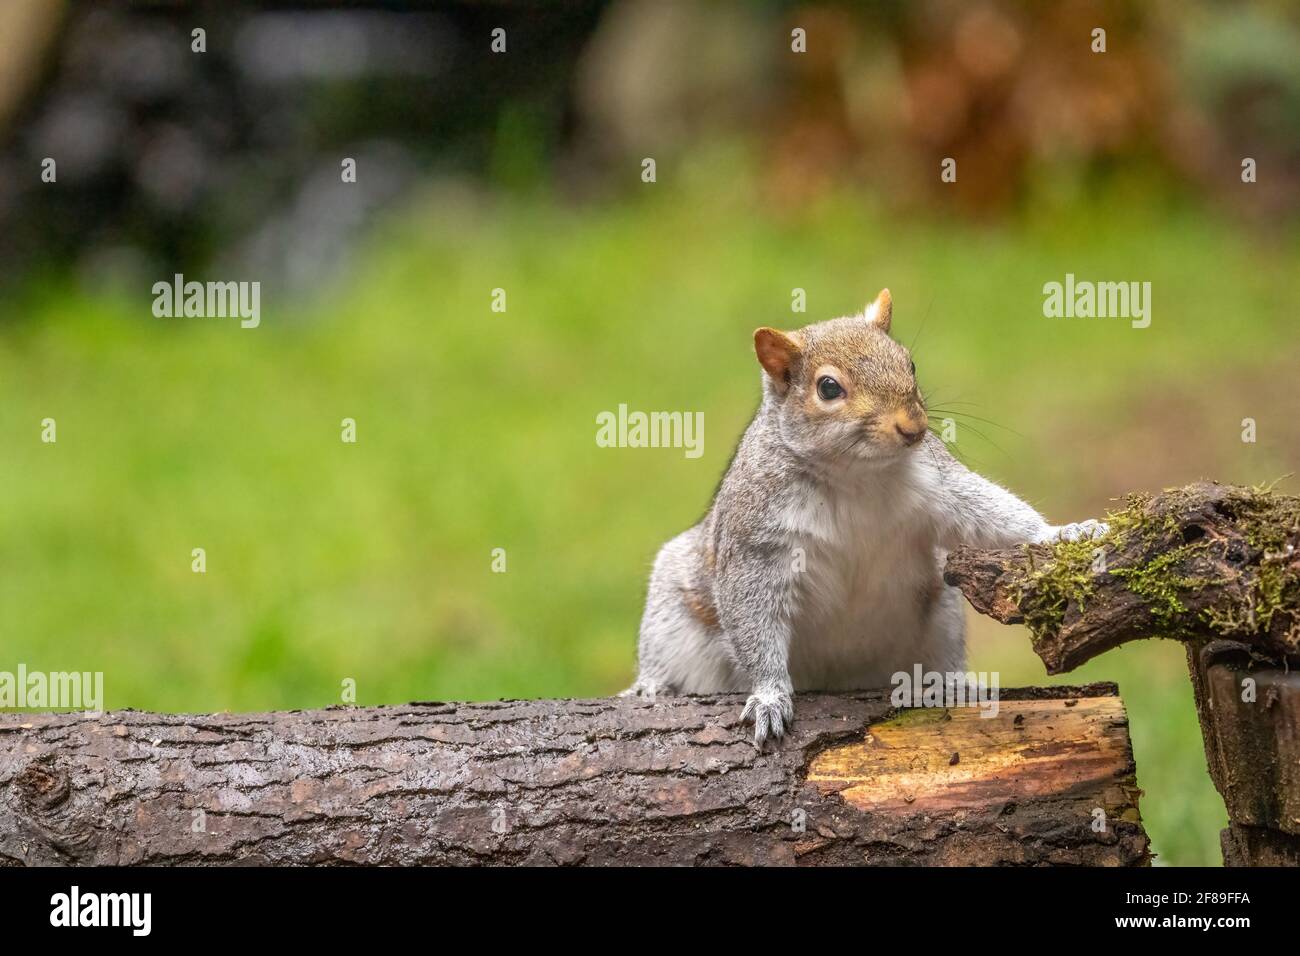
1257	846
1250	722
1048	780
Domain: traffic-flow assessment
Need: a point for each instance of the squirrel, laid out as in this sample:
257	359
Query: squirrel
819	563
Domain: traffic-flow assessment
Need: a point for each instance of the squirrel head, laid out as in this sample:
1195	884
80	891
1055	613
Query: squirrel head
843	387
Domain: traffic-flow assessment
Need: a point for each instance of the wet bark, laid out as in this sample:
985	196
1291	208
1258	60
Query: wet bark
1256	846
1048	780
1250	722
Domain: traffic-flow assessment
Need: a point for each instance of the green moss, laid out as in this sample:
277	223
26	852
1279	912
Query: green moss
1159	583
1043	592
916	716
1269	523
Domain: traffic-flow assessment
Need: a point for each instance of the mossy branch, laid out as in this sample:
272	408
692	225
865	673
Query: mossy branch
1207	561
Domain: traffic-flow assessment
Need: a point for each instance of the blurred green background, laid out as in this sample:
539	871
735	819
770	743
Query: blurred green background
476	429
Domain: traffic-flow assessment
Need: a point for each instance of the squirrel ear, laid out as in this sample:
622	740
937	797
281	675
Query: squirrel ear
776	353
881	311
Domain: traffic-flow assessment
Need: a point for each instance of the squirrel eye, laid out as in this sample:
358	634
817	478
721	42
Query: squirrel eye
828	389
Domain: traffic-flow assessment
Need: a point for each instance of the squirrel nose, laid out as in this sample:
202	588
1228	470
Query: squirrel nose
912	432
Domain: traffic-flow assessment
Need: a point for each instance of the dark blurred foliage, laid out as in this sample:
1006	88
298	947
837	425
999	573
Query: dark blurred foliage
167	158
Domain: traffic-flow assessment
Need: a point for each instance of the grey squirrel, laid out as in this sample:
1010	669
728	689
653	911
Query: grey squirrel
819	563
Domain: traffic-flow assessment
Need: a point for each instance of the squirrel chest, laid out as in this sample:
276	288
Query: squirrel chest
866	580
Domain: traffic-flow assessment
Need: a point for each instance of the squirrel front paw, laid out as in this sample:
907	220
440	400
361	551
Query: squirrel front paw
1079	531
771	711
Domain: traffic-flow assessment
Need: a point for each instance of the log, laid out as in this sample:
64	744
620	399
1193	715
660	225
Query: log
1207	561
1256	846
1048	780
1250	721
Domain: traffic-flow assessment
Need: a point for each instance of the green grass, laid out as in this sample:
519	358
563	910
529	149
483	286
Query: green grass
476	431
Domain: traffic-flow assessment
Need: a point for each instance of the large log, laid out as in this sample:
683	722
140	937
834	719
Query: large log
1048	780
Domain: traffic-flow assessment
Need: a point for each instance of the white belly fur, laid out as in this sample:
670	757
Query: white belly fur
870	601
